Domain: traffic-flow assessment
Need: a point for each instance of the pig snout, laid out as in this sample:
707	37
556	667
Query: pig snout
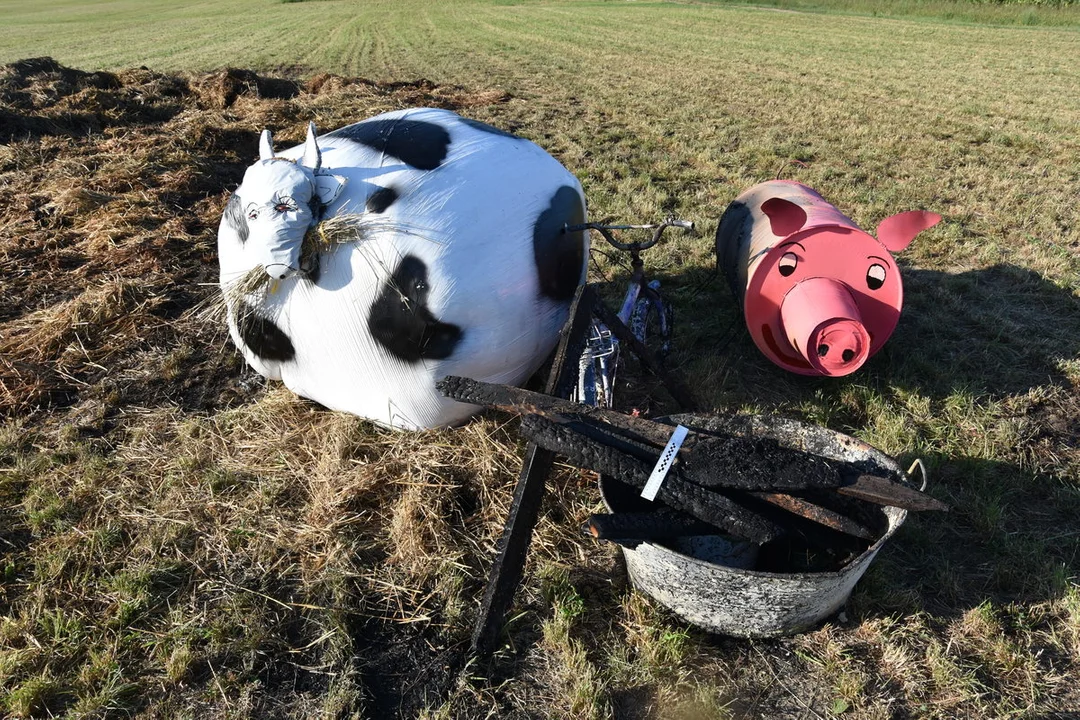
822	321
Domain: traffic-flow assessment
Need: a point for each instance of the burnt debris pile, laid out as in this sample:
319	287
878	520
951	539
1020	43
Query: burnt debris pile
804	511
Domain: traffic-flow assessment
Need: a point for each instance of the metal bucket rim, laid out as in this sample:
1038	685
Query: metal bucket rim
895	521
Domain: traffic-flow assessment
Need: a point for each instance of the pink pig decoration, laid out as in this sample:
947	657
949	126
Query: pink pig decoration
820	295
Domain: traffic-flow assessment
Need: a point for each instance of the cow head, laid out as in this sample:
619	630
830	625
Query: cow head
278	201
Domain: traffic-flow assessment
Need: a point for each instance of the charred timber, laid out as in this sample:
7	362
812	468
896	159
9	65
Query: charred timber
526	402
707	460
711	507
652	435
656	524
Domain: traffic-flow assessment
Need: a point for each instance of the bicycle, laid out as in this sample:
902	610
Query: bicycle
643	307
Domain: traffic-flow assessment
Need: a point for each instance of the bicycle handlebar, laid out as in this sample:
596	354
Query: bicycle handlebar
658	229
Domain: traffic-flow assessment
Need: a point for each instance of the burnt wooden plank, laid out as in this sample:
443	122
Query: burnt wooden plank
526	402
660	523
525	509
883	491
594	452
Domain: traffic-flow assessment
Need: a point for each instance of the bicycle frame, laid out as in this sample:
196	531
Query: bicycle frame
599	361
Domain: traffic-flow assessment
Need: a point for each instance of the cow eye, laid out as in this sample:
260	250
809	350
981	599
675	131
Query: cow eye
253	212
788	263
875	276
284	205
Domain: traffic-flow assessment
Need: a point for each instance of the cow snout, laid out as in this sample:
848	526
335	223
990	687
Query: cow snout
280	271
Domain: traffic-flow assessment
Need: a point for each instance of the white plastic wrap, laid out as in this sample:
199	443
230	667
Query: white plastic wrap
462	268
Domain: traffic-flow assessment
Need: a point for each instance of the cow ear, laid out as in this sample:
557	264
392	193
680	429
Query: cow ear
328	187
897	232
785	217
312	156
266	145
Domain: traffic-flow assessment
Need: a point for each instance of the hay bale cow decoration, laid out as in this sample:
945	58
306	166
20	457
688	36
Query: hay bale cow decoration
819	294
457	262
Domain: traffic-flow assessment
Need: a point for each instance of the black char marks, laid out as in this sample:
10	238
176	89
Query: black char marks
235	218
418	143
560	255
484	127
401	322
730	238
262	336
381	199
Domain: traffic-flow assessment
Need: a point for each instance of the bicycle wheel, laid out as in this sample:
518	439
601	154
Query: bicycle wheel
652	319
596	367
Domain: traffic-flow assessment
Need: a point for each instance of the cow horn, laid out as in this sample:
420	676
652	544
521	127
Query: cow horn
266	145
312	156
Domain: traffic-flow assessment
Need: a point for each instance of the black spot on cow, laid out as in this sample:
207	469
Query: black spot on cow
262	336
730	238
560	255
381	199
484	127
418	143
401	322
235	217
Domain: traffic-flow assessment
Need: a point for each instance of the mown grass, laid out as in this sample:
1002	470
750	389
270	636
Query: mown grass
980	12
178	539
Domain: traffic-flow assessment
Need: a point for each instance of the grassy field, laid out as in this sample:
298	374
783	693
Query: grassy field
180	539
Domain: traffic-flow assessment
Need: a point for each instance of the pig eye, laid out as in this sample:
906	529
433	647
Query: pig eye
787	263
875	276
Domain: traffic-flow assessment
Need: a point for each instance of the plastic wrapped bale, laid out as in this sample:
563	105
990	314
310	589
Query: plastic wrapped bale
819	294
365	264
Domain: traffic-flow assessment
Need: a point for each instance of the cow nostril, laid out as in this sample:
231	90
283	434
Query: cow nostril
822	350
848	355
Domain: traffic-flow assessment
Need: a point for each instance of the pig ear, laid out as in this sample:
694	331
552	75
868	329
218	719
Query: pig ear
785	217
312	156
897	232
328	187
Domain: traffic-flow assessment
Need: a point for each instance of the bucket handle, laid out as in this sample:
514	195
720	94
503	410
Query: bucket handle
923	472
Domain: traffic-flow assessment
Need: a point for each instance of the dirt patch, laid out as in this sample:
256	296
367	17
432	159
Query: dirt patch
115	185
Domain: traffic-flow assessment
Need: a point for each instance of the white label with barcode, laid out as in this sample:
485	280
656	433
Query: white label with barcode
667	457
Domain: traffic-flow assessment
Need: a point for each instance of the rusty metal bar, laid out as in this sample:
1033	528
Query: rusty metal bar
815	513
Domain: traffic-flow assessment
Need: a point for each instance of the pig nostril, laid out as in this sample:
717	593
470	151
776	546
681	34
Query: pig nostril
847	355
822	350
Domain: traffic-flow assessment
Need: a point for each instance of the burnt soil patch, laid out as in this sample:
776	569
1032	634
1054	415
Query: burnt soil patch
115	185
